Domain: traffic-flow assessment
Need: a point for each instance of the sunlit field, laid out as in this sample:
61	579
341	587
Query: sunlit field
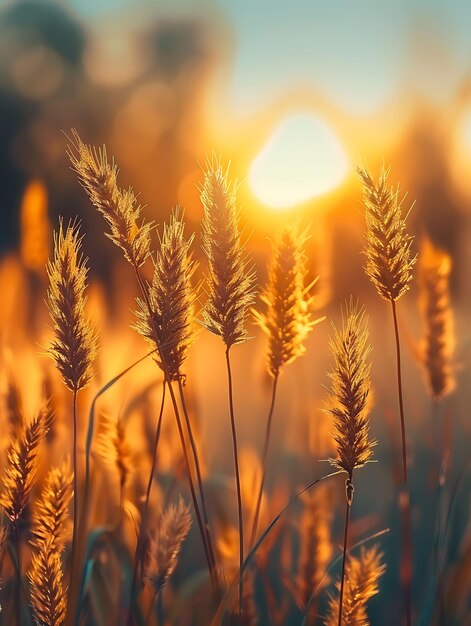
234	318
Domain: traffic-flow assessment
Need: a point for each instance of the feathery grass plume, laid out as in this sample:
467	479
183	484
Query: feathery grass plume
172	299
439	342
288	317
350	387
388	246
119	207
22	467
74	347
231	282
51	513
114	449
362	583
47	585
165	544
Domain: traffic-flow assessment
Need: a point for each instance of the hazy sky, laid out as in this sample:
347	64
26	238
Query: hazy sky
354	52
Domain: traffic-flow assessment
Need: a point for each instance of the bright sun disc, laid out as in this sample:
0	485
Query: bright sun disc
303	159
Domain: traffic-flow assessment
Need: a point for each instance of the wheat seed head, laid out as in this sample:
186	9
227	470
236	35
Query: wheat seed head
287	318
349	391
119	207
165	544
74	347
114	448
230	280
52	510
439	341
362	577
169	326
46	580
389	259
22	465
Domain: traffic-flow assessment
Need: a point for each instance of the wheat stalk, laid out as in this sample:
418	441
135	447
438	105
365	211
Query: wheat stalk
230	281
165	544
74	347
350	387
119	207
230	290
49	527
22	467
20	477
172	299
286	320
362	583
439	341
389	266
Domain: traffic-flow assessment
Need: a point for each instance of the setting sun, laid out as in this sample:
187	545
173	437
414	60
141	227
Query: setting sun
302	159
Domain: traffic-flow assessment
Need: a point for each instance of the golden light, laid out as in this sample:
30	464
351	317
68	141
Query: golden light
302	160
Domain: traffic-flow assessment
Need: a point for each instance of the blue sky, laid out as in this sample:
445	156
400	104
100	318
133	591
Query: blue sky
355	53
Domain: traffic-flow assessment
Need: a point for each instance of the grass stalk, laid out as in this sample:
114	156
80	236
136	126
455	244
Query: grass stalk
264	460
404	497
194	449
349	489
237	479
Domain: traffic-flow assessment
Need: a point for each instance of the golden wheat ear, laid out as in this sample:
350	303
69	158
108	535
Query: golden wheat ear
22	466
389	260
165	544
45	574
350	386
362	583
287	317
74	347
439	341
120	208
230	280
172	299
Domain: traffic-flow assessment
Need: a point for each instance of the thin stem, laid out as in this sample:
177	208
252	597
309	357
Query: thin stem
404	497
399	389
145	295
191	484
345	545
16	532
75	502
138	555
264	460
237	479
198	472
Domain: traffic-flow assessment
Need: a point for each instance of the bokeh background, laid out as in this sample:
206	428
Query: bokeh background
294	96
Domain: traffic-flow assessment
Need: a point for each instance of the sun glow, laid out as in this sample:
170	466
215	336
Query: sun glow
303	159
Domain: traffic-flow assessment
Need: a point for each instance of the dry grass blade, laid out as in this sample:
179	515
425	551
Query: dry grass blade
74	347
388	246
165	544
119	207
362	579
287	319
22	467
439	342
231	281
172	299
350	388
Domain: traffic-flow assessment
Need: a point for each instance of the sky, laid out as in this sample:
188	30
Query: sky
356	54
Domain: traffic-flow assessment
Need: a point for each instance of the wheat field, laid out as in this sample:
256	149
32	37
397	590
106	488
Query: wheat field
208	440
